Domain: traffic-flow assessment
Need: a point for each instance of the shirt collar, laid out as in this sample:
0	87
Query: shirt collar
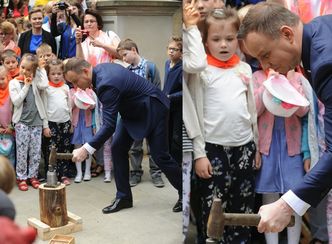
139	66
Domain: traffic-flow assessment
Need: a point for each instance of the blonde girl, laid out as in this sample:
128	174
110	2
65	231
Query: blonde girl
29	118
226	111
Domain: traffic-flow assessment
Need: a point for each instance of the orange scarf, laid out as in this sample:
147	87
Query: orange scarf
4	93
20	78
13	73
234	60
51	83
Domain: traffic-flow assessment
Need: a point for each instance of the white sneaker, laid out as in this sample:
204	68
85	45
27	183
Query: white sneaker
87	177
78	178
108	177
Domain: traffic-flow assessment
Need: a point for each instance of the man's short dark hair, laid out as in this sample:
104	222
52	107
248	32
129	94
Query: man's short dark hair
267	18
76	65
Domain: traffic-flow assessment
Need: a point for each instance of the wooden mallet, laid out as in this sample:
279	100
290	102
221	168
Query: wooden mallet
218	219
51	176
54	155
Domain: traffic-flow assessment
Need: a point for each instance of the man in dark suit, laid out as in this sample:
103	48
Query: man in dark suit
280	41
144	114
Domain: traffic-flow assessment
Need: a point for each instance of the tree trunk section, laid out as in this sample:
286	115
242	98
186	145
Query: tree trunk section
52	202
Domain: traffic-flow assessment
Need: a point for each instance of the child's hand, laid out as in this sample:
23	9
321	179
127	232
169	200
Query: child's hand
306	166
27	80
191	15
94	131
203	168
8	131
47	132
41	63
71	129
258	160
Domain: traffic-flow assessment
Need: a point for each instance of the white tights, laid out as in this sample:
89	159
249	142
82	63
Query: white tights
293	233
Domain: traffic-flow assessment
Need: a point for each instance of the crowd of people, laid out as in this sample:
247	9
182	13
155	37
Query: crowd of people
253	117
42	105
255	110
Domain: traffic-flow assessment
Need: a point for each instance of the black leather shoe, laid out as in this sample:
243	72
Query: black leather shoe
117	205
178	206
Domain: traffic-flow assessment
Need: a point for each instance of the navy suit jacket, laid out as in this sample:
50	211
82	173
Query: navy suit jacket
122	91
317	62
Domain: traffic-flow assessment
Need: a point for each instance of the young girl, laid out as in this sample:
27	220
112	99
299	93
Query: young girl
280	147
82	121
29	117
226	110
59	115
6	130
194	61
106	149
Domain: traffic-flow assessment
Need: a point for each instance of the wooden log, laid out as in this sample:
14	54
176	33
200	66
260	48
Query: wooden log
52	203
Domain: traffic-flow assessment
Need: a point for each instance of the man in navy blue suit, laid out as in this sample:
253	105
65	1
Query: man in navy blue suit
280	41
144	114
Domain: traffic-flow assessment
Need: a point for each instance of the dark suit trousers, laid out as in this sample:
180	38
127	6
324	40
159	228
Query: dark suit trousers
158	141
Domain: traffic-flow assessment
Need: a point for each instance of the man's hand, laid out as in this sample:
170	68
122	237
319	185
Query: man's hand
274	217
203	168
79	155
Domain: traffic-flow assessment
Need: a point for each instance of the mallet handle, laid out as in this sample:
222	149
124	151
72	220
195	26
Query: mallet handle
64	156
247	219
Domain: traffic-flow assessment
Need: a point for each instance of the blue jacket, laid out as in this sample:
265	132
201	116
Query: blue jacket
317	62
173	81
122	91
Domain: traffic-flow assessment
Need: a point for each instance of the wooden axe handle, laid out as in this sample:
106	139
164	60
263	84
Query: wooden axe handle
247	219
64	156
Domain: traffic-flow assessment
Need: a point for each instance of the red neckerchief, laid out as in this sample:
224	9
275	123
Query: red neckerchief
234	60
4	93
13	74
51	83
20	78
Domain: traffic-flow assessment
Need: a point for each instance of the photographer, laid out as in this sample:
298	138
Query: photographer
66	29
97	47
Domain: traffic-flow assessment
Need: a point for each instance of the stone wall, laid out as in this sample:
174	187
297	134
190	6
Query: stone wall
149	23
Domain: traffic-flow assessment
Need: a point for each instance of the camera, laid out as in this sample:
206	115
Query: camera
62	5
85	34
